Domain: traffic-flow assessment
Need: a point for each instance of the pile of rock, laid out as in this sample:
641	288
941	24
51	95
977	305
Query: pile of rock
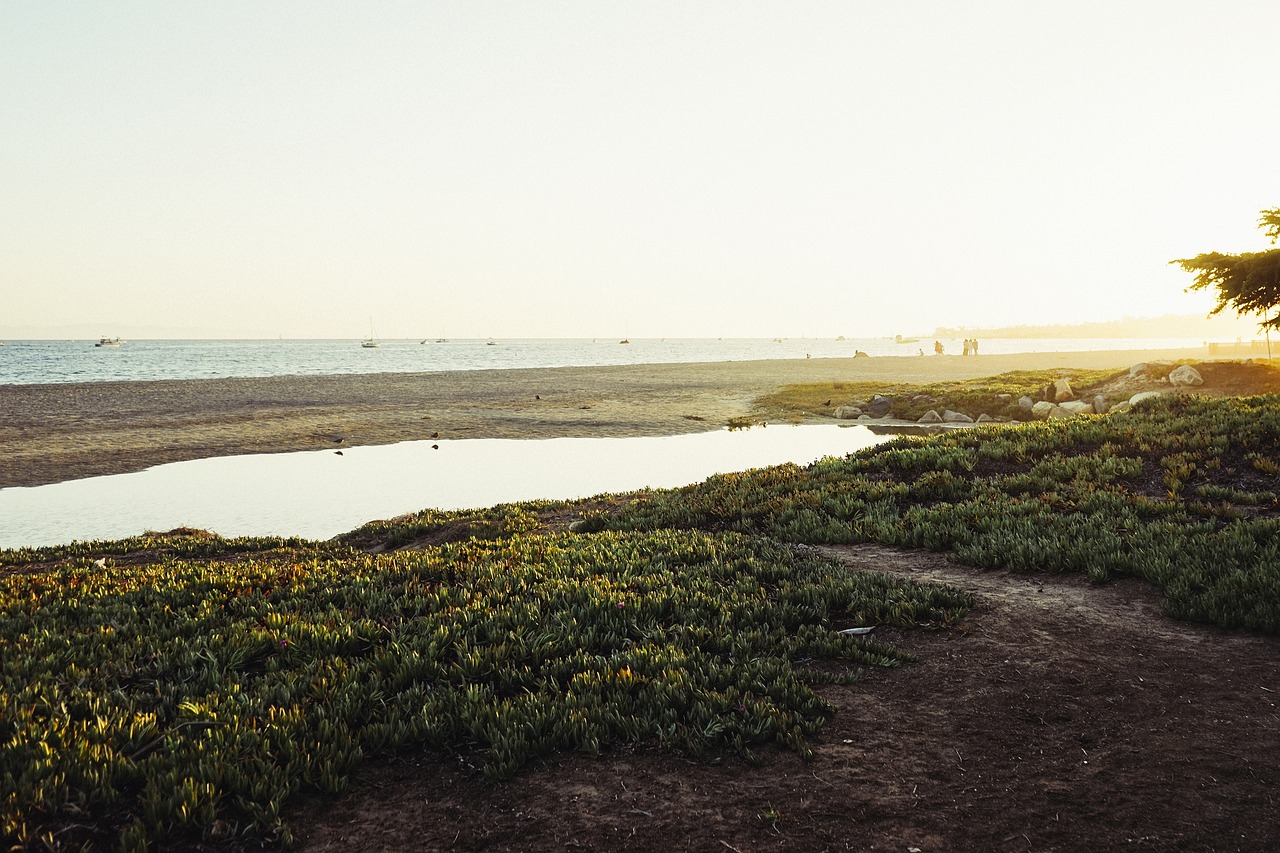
1057	399
878	406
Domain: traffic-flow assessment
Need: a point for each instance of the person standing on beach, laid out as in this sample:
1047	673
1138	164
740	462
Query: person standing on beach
966	347
975	346
937	347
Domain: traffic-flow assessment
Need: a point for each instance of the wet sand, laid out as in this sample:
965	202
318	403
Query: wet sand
51	433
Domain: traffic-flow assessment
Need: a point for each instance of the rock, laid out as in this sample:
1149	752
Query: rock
860	354
865	417
956	417
1004	396
1185	375
1077	407
1025	402
1119	408
1061	391
590	524
1139	369
930	417
1042	409
1100	404
1059	412
879	406
847	413
1144	395
985	418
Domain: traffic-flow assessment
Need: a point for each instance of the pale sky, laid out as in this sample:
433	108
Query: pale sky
541	169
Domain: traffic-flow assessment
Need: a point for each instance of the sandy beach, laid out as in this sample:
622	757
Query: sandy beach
51	433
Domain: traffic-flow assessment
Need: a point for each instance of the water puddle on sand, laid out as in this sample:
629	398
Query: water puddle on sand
319	494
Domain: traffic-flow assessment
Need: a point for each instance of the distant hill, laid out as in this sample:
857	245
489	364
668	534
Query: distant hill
1216	328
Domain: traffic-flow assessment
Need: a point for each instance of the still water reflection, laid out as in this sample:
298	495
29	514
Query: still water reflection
322	493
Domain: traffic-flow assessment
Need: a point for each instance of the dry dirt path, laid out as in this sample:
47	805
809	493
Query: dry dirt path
1058	717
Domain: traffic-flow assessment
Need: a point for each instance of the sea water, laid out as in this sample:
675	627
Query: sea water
39	362
319	494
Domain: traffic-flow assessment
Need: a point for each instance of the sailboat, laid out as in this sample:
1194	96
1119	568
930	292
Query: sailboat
370	342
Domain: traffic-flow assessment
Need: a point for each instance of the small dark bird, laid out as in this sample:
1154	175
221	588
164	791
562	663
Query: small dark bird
337	452
435	435
828	403
338	440
537	397
435	447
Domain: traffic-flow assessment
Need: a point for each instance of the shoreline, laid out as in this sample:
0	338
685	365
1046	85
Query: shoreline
66	431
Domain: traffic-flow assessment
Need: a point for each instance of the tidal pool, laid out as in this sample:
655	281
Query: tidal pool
319	494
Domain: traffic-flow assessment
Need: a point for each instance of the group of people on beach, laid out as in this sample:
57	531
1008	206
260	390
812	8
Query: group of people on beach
970	347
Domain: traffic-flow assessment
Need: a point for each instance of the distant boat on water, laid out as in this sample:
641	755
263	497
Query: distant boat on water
370	342
109	342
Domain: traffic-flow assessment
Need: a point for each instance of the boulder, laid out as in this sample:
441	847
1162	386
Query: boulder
1139	369
984	418
1042	409
1061	391
1025	402
1144	395
1100	404
956	417
1119	408
879	406
847	413
930	417
1077	407
1060	412
1185	375
865	417
860	354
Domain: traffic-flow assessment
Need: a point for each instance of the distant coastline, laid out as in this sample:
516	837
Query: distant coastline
1216	328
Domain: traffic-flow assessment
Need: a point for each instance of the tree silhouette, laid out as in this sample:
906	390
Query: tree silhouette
1248	282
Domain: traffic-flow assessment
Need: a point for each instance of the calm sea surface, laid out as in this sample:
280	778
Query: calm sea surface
38	362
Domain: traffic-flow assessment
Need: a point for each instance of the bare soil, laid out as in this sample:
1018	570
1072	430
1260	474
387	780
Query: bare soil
1059	716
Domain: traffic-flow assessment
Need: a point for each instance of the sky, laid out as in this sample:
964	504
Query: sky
581	169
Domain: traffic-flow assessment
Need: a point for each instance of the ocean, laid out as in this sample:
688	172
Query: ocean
24	362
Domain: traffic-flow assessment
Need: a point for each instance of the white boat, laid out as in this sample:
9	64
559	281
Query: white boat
109	342
370	342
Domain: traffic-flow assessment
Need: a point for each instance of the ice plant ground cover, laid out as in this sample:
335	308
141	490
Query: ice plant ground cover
191	686
188	686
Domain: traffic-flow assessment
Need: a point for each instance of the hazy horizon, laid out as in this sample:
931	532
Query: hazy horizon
573	169
1217	328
